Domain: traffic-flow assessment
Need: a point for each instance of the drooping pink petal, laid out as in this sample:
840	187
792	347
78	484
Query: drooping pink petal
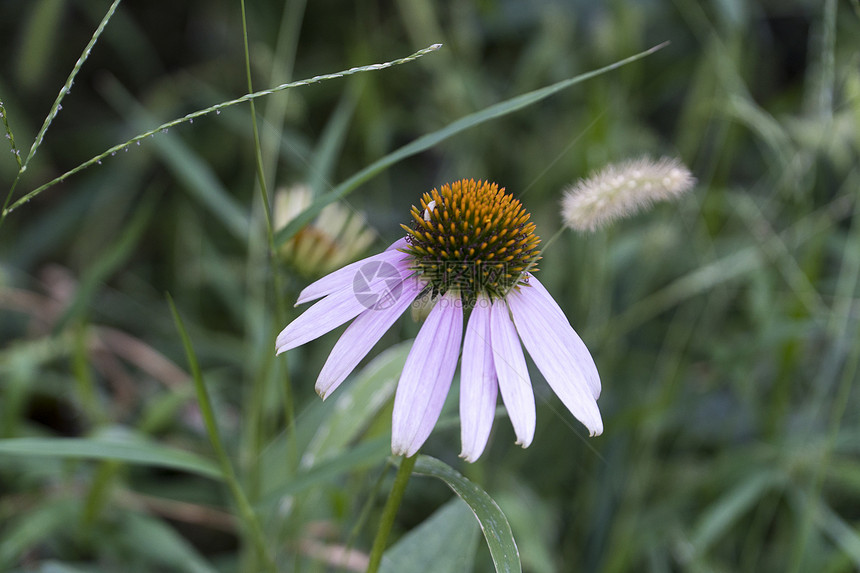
426	376
372	282
322	317
479	387
357	340
514	383
547	336
572	340
342	279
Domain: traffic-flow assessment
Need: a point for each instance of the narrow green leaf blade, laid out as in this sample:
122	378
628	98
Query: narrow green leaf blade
445	543
731	507
494	524
140	534
23	532
427	141
363	455
129	451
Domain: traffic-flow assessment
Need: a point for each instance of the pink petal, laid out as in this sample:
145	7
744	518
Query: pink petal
572	340
514	383
546	335
426	376
364	332
366	289
322	317
479	387
342	279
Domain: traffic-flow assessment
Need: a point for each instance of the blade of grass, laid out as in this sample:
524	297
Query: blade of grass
252	524
331	142
55	108
283	62
107	263
141	533
125	450
49	520
11	137
731	507
363	455
255	404
186	165
67	87
215	108
431	139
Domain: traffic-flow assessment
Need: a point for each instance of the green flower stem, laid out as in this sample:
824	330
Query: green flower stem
390	512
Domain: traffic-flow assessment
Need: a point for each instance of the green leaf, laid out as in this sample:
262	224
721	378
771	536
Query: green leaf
58	567
535	521
197	176
431	139
345	417
40	35
330	144
358	402
157	544
108	262
445	543
731	506
842	533
125	450
50	519
363	455
494	524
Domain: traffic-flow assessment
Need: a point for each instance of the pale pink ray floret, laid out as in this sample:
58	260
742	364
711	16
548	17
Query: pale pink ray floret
493	362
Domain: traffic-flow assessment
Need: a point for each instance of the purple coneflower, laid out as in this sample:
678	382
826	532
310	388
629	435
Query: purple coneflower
472	249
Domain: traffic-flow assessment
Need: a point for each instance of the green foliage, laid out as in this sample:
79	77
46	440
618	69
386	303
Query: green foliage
724	326
494	524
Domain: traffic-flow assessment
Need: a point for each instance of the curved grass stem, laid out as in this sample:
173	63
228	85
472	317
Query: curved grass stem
215	108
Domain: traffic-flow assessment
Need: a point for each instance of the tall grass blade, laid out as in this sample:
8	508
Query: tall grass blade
9	135
132	451
67	87
252	523
215	108
431	139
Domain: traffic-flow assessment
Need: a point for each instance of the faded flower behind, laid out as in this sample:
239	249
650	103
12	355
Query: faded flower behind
621	190
336	237
472	250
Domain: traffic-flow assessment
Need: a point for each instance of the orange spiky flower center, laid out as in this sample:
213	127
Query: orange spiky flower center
473	238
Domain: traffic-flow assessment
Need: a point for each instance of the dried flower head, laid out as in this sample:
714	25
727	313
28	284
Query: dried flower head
621	190
336	237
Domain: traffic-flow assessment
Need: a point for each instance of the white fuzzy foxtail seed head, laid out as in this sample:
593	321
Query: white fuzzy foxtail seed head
623	189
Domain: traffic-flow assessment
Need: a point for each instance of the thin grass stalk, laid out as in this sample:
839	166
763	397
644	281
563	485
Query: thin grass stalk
86	387
255	414
52	113
11	137
246	512
67	87
281	71
843	335
215	108
431	139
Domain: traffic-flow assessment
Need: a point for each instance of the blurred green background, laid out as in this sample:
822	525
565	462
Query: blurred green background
725	326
